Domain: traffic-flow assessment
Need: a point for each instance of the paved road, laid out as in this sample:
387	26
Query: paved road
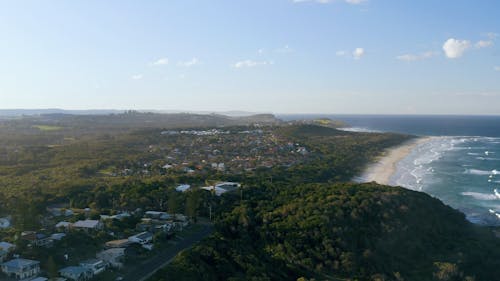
151	266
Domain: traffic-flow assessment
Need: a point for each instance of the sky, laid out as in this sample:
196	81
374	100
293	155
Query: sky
278	56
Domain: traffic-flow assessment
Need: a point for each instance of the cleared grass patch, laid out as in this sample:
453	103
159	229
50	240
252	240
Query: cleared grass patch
47	127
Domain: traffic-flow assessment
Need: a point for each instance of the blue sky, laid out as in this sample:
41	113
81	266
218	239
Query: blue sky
281	56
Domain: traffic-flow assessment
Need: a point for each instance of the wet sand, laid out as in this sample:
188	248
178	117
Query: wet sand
382	170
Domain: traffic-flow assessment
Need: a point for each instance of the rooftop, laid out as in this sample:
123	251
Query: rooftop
74	270
86	224
142	235
91	261
6	245
20	263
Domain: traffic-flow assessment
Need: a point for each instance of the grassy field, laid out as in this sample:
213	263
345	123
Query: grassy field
48	128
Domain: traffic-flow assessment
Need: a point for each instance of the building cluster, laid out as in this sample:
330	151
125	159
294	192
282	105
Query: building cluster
14	266
203	152
151	223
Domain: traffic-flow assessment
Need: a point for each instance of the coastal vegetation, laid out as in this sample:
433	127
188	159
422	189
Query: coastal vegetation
295	216
340	231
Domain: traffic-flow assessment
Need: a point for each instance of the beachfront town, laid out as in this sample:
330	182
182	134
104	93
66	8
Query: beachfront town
122	236
66	230
200	152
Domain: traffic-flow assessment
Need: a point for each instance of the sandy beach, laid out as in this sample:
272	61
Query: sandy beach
382	170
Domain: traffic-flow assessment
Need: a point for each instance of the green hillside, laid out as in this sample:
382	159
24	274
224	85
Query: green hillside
341	232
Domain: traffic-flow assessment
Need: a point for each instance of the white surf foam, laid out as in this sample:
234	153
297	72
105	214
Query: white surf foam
487	159
480	172
480	196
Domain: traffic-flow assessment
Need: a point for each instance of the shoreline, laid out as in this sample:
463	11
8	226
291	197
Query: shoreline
384	167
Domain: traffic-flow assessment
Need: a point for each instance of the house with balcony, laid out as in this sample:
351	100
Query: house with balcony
21	268
76	273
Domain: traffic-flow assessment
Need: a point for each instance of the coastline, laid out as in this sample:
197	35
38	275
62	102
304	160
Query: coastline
384	168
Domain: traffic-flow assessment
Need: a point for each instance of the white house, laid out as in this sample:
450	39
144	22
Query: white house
57	236
77	273
228	185
141	238
183	188
5	223
60	212
167	166
39	279
158	215
63	225
6	246
95	265
222	187
88	225
21	268
114	257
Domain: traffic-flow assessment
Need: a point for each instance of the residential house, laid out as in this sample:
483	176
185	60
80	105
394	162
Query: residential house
114	257
60	212
118	243
39	279
95	265
76	273
119	216
215	190
7	246
180	217
37	239
57	236
3	255
183	188
141	238
157	215
43	240
63	226
88	225
5	222
229	186
21	268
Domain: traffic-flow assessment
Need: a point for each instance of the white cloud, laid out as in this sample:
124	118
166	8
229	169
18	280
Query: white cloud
161	61
454	48
355	2
251	63
483	44
317	1
137	76
341	53
285	49
189	63
416	57
358	53
492	35
352	2
479	94
261	51
496	68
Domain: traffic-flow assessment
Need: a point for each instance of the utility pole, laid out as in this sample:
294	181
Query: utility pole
210	211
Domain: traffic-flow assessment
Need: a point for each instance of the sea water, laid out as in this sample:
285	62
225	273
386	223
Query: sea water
460	165
463	172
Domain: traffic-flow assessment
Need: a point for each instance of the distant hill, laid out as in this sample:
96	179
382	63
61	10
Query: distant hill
21	112
129	120
311	130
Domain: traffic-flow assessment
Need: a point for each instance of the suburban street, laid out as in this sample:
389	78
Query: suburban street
149	267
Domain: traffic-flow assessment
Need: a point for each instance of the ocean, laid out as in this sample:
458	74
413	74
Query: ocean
461	166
